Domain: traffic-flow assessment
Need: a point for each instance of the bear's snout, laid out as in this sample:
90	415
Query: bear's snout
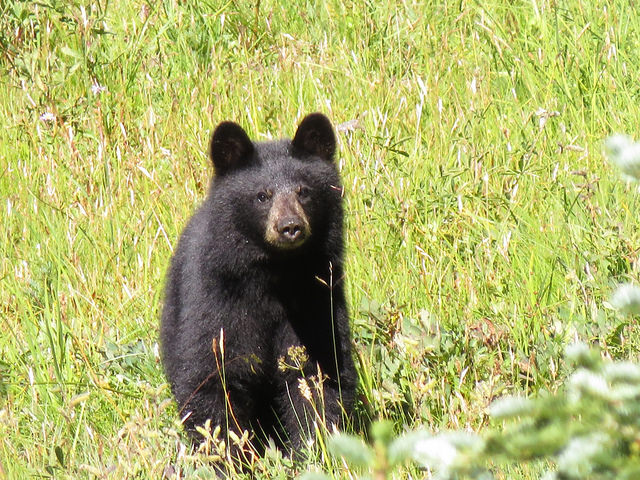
287	224
290	229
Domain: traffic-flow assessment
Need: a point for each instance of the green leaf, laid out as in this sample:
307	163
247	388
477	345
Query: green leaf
352	449
382	431
59	455
313	476
70	52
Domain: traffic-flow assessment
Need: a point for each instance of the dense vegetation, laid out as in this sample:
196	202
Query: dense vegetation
485	231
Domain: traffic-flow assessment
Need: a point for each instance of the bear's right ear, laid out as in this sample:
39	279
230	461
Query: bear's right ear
230	147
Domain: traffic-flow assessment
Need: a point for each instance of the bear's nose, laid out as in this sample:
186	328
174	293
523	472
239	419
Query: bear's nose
290	229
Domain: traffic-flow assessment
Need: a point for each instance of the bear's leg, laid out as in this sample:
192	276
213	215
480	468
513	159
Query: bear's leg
232	412
305	405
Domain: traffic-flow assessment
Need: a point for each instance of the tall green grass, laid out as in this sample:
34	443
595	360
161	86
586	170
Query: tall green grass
484	230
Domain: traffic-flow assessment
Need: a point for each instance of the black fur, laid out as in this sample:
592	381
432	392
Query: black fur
263	290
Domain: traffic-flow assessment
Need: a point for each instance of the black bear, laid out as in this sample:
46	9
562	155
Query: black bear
254	331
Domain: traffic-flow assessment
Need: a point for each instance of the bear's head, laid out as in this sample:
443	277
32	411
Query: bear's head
279	194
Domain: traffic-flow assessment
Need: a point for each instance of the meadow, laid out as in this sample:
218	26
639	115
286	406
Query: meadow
485	229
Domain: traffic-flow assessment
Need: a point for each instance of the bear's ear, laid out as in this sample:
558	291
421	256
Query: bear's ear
230	147
315	137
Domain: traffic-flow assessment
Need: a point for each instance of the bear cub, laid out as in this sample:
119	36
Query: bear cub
255	308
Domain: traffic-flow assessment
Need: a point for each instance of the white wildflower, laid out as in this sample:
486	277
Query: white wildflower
435	452
624	393
616	144
622	372
575	459
585	382
577	353
509	407
47	117
624	153
466	441
97	89
626	298
441	452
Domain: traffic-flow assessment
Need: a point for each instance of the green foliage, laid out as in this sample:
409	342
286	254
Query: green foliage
590	429
484	230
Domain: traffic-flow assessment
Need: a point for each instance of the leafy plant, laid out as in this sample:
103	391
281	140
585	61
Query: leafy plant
588	429
484	233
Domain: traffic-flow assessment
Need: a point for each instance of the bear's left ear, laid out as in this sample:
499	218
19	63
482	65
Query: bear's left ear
230	147
315	137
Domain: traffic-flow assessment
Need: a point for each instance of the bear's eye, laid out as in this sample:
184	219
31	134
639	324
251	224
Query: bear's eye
303	191
262	197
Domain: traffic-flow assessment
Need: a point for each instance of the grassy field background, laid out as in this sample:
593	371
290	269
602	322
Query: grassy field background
485	231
